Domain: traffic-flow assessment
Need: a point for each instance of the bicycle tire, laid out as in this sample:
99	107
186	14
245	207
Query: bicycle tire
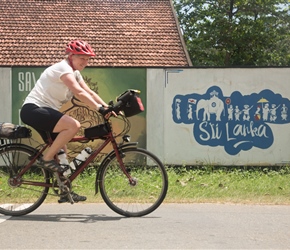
16	198
133	200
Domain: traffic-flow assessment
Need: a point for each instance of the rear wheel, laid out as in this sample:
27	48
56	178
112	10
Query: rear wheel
144	194
20	195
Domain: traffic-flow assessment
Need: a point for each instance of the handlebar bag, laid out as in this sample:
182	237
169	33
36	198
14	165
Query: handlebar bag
12	131
132	103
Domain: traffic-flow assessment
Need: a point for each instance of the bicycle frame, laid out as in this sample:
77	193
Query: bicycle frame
116	149
108	139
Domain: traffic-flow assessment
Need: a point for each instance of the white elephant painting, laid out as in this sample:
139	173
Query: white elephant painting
214	105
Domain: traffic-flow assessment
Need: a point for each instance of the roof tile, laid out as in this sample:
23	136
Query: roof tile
122	32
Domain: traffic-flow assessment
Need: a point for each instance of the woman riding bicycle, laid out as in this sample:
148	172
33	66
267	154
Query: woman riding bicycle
56	86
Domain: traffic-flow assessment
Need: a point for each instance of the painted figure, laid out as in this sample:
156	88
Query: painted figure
273	113
246	111
212	106
284	114
257	115
189	112
237	113
266	111
178	111
230	113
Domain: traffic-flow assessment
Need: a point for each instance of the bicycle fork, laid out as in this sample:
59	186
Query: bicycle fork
117	152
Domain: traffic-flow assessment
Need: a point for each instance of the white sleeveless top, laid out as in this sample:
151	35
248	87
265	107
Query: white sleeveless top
49	90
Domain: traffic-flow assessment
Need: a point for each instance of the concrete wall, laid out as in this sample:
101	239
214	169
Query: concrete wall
209	116
5	96
219	116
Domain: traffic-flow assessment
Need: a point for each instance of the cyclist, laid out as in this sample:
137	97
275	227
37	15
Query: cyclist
56	86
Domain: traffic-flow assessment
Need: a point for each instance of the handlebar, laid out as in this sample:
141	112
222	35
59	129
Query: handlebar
117	107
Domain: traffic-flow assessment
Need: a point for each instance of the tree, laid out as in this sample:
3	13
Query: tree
236	32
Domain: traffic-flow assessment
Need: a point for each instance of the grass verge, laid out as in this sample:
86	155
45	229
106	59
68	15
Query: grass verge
229	185
213	185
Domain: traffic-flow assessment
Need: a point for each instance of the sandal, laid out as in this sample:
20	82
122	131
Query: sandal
52	166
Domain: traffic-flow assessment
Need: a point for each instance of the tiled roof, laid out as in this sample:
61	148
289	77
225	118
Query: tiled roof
123	33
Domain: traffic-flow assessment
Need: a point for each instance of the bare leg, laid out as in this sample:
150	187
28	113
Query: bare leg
67	127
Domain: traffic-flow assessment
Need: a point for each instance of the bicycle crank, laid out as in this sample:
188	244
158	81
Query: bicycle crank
62	185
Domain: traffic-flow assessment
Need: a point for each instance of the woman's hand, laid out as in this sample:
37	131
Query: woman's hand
106	112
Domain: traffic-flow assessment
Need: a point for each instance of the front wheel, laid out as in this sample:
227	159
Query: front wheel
20	195
149	187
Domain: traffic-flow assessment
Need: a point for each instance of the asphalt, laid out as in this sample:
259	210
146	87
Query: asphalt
171	226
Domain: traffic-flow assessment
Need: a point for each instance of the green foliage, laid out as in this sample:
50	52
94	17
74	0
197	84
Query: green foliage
236	33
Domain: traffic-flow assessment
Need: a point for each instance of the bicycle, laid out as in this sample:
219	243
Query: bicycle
132	181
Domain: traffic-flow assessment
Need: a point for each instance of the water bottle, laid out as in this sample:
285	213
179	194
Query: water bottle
63	161
80	158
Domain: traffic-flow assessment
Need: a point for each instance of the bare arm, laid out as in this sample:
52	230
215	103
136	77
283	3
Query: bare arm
93	94
83	92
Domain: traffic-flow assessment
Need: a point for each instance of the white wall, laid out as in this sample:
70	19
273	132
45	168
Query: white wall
176	139
5	96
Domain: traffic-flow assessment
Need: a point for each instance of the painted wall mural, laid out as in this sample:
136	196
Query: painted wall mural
236	122
108	82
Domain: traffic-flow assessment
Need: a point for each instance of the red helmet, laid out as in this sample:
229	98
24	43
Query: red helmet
80	48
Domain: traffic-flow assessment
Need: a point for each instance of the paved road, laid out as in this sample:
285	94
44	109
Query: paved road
171	226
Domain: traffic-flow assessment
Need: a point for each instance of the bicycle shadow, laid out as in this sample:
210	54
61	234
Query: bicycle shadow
82	218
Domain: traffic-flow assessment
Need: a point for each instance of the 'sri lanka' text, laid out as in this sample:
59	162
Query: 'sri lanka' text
212	131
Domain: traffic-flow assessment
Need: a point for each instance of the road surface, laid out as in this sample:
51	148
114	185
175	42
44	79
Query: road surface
171	226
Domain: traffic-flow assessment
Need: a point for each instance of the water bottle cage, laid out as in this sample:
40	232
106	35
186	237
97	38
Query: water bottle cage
77	163
65	167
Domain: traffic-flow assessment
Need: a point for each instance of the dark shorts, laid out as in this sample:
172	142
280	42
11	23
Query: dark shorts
43	120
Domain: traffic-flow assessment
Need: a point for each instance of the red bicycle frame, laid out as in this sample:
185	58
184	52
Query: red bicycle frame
109	138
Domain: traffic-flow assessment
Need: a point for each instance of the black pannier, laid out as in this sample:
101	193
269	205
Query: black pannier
12	131
132	103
